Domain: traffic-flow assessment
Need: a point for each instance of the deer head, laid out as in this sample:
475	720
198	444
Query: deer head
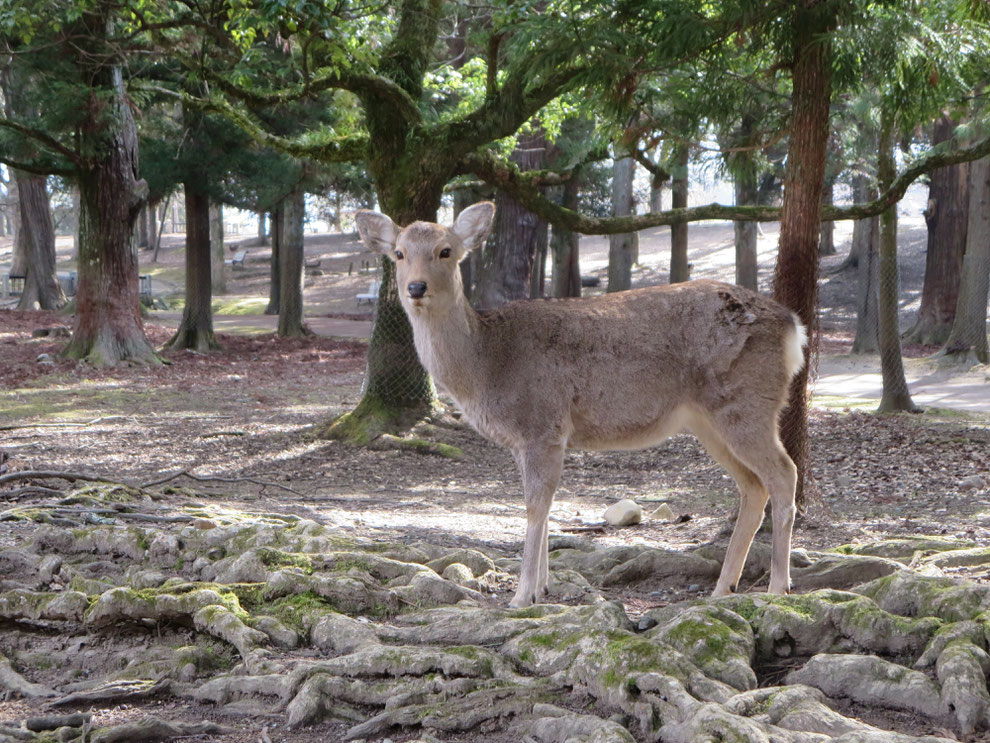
426	254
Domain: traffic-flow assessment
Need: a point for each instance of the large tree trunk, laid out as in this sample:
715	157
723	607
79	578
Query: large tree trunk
37	238
216	248
565	277
275	277
196	329
680	269
746	232
947	218
108	325
290	316
896	396
623	249
507	260
867	296
968	340
796	272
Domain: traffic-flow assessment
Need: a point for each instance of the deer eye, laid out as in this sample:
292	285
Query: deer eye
445	253
398	255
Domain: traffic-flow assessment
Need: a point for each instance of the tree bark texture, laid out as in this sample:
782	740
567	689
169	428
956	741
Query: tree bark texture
509	256
680	269
37	238
967	341
623	248
947	220
796	274
291	259
196	328
896	396
275	277
108	326
216	248
565	277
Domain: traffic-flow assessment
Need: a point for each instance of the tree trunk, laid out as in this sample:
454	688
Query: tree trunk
680	269
896	396
196	329
37	238
861	189
275	279
745	232
867	309
262	229
508	258
143	240
160	229
796	274
826	237
565	277
947	218
623	249
108	325
538	282
291	258
216	248
968	340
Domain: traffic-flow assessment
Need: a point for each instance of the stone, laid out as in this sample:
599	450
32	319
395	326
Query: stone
663	512
973	482
623	513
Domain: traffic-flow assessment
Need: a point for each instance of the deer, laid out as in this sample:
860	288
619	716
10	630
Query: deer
619	371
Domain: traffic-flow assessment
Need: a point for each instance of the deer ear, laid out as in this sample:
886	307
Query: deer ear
474	223
377	231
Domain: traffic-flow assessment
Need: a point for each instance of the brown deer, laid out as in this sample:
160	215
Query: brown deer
619	371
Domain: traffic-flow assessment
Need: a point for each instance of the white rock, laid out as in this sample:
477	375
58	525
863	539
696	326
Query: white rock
623	513
663	513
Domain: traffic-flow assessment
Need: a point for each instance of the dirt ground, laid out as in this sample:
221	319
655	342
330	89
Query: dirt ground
240	419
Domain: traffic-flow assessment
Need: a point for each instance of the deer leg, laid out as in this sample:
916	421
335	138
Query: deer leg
780	475
540	467
758	449
752	500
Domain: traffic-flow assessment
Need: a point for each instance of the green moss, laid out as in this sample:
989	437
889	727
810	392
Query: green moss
372	418
274	558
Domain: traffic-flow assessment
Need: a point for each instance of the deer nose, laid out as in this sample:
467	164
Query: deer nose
417	289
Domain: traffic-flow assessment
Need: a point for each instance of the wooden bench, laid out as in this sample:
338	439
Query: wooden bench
238	259
372	295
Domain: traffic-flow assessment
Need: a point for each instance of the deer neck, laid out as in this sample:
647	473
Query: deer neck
447	344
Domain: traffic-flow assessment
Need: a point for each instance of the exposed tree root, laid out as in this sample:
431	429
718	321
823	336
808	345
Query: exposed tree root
280	615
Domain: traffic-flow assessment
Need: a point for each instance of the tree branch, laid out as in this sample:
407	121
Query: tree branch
35	168
364	86
502	115
44	139
510	179
328	149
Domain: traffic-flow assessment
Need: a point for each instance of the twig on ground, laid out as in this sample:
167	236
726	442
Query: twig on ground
28	490
212	478
66	424
50	475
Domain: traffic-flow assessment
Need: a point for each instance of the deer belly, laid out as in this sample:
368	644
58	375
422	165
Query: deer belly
634	431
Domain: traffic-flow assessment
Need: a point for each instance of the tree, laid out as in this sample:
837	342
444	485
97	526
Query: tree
896	395
680	269
35	238
508	259
967	340
290	269
946	217
623	248
86	131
